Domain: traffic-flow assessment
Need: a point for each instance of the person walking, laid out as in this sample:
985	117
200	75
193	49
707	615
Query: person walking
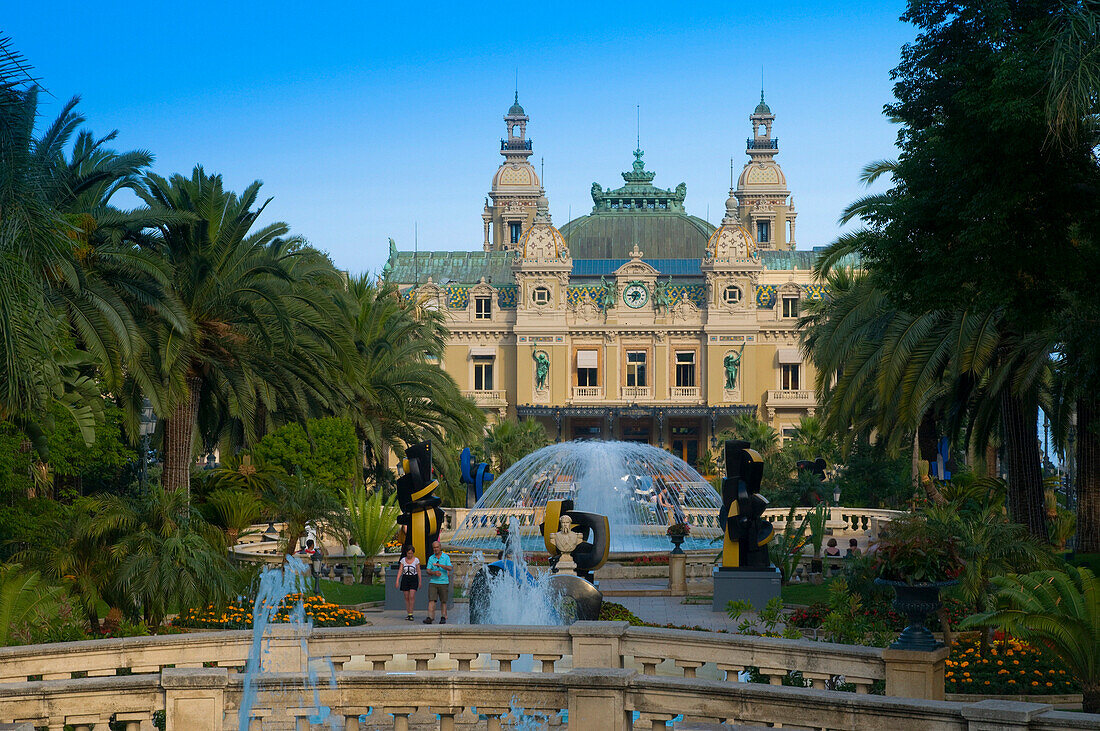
439	583
408	579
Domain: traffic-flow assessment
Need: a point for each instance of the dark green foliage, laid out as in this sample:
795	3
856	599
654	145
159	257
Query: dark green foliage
326	455
872	478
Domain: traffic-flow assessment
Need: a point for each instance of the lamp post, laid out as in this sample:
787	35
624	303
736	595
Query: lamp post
146	427
836	495
315	569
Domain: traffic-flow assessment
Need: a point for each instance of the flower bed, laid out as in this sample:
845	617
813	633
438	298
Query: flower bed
237	614
613	612
1012	668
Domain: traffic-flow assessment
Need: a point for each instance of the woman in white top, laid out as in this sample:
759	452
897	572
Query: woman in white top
408	579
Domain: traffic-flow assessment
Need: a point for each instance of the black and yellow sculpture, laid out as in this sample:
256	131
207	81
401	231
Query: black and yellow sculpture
420	516
595	532
746	532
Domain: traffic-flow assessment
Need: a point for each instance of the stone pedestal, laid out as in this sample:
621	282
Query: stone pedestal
915	674
194	698
677	574
754	586
396	600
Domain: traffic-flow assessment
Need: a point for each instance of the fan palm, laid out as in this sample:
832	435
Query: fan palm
234	511
1058	609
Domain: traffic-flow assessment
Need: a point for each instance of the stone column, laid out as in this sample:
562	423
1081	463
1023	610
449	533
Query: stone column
597	644
597	700
194	698
915	674
677	574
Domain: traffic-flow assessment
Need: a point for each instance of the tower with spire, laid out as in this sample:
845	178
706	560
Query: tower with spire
511	206
764	203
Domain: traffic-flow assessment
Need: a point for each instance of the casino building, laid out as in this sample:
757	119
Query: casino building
637	321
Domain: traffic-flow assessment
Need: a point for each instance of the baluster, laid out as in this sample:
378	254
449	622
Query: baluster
378	661
649	664
547	662
447	717
775	676
401	717
731	671
421	659
689	666
492	717
135	721
505	659
338	661
464	659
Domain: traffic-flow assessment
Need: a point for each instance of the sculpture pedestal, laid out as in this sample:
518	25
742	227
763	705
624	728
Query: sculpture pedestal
396	600
677	574
565	565
756	586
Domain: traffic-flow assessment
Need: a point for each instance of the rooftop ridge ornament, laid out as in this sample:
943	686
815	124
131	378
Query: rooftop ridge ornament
639	193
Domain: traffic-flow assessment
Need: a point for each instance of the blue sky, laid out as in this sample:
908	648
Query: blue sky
364	118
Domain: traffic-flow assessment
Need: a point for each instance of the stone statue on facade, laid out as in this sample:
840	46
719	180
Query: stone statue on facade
566	541
661	296
609	294
542	368
732	363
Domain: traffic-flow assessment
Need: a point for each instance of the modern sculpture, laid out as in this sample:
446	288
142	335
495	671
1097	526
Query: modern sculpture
591	552
746	571
475	477
420	513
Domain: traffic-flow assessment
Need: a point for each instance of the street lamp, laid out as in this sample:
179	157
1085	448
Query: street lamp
146	427
315	569
836	495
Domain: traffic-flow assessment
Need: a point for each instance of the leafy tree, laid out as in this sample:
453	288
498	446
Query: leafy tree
1058	609
327	454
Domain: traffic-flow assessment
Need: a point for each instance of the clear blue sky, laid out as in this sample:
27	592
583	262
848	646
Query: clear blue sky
363	118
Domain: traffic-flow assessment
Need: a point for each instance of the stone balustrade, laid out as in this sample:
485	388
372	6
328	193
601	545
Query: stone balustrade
603	699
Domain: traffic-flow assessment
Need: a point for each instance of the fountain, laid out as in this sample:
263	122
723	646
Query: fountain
640	488
506	592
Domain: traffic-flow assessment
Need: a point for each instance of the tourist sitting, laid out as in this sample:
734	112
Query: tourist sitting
831	548
853	549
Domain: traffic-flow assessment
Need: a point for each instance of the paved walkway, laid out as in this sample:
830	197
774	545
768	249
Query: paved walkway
656	609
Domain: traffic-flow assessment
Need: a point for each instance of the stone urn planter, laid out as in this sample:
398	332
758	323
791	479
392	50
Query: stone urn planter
916	601
677	541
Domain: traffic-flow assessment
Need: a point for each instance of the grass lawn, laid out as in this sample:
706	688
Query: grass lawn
339	593
805	593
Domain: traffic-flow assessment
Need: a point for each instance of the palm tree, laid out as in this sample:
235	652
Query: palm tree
24	599
1058	609
234	511
810	440
168	556
508	441
301	503
760	435
261	337
399	393
372	522
907	377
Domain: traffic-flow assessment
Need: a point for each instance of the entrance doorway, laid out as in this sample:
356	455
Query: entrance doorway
636	430
685	442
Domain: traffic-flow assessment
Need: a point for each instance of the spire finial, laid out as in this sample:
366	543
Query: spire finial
638	126
542	171
731	173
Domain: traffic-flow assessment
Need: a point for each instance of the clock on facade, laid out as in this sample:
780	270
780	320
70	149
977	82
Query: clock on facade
635	295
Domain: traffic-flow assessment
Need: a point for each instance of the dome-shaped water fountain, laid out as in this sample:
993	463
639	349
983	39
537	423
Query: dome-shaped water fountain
640	488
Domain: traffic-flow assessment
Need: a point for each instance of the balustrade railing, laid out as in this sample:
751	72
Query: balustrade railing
634	393
594	697
587	393
684	393
487	398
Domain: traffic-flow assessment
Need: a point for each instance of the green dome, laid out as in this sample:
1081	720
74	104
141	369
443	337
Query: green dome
516	110
762	108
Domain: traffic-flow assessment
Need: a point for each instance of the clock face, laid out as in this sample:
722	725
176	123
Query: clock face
635	295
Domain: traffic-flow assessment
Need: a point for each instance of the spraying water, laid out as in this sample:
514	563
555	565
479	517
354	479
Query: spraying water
640	488
276	583
512	595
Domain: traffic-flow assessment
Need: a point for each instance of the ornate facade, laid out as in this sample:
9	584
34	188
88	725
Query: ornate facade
636	321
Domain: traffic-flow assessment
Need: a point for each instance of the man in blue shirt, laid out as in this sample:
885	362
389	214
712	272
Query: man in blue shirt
439	585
